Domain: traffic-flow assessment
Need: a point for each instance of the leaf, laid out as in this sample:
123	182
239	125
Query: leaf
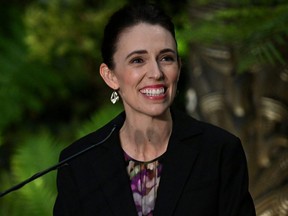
36	153
99	118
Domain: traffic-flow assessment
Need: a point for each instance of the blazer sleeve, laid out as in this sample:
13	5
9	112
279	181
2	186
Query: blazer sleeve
66	202
235	199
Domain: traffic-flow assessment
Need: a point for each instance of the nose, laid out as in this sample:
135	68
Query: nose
155	71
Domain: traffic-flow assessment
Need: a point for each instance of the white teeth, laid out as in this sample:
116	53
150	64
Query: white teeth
153	92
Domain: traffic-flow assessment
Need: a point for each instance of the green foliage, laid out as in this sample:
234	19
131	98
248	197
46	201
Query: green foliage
257	38
1	139
48	82
35	153
99	118
23	84
60	28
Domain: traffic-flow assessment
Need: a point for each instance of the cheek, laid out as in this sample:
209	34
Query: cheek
122	75
128	79
175	76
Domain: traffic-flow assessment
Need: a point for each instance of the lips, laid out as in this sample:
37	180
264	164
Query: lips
154	91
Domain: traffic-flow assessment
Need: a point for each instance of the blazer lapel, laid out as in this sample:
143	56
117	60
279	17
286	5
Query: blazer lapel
181	154
115	181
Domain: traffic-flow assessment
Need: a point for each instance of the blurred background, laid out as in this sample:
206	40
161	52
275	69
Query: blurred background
235	75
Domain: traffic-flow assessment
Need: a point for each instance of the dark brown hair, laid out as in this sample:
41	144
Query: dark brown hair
128	16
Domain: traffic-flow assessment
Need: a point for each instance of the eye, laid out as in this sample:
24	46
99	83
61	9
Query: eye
137	60
168	58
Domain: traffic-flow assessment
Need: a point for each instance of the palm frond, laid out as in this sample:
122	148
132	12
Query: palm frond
34	154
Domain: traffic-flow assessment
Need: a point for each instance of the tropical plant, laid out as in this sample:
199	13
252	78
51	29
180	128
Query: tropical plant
36	153
44	94
255	30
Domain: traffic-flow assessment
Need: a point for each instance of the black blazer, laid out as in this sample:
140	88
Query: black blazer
204	174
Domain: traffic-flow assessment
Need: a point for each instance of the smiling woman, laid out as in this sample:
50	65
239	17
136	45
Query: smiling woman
144	66
153	160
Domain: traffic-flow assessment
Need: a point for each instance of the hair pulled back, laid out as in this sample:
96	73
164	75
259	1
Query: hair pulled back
129	16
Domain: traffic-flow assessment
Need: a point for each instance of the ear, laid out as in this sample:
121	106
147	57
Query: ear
108	76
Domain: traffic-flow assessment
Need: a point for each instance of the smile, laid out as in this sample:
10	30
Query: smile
151	92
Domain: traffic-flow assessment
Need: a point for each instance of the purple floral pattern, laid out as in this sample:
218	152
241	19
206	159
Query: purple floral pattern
145	178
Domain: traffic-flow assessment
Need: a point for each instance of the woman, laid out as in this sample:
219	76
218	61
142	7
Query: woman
152	160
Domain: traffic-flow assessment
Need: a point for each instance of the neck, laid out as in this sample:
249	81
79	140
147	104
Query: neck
145	138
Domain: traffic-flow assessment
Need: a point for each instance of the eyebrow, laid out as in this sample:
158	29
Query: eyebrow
144	52
136	52
168	50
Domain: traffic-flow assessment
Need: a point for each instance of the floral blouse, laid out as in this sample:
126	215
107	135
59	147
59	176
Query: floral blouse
145	178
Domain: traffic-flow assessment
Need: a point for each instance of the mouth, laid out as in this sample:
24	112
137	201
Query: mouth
153	91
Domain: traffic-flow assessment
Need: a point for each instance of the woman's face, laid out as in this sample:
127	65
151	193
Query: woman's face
146	69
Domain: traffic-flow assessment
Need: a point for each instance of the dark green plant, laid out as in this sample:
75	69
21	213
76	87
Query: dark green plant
36	153
58	28
99	118
24	85
256	31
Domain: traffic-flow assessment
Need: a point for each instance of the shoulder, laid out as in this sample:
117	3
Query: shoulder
94	138
212	141
185	122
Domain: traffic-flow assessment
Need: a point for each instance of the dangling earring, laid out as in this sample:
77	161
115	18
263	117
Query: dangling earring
114	97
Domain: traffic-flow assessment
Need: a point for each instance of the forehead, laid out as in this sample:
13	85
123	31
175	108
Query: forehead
145	36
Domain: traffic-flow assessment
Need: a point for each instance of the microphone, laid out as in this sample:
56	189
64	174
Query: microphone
56	166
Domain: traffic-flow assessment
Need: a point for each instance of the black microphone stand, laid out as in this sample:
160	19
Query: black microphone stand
54	167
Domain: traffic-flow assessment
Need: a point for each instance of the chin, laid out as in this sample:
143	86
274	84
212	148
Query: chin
159	111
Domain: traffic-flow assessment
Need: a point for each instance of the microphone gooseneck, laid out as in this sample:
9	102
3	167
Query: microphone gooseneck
56	166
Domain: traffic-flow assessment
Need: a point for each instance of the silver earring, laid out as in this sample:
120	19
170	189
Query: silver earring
114	97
